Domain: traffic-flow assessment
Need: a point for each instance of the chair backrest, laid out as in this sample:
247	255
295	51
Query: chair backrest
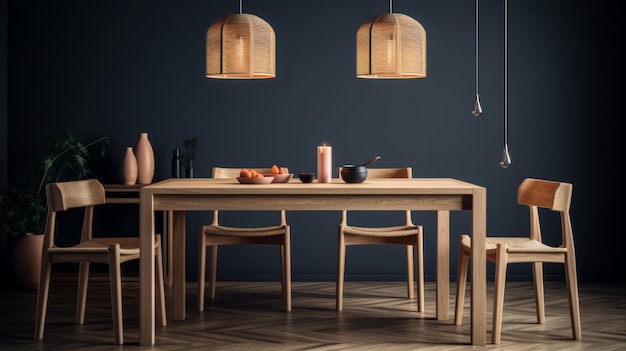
230	172
372	173
555	196
62	196
380	173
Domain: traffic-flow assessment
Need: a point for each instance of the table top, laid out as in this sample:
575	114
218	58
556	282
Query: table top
389	186
376	194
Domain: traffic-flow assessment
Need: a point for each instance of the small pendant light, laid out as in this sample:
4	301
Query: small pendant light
240	46
391	46
505	162
478	110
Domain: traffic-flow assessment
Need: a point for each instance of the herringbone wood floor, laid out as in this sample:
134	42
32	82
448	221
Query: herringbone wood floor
376	316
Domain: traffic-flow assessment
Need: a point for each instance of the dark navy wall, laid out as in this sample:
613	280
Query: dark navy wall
3	120
118	68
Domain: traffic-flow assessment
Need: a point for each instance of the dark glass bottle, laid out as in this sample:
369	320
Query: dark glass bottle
176	164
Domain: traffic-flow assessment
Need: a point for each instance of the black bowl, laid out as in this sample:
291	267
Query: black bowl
306	177
353	174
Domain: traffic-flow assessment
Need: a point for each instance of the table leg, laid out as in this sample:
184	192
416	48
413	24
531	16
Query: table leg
167	247
443	265
146	270
479	268
178	272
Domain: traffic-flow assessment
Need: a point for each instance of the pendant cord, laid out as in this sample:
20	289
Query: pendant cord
506	69
390	6
476	47
240	7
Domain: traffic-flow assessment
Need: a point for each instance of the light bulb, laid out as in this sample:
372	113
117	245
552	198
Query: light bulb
505	162
478	110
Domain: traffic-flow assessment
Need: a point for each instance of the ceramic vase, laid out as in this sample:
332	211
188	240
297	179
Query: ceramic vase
129	167
145	159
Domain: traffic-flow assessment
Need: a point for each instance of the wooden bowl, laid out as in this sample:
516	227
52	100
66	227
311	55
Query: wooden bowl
255	180
279	178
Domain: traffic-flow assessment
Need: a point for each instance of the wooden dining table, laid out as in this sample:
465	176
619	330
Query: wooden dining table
440	195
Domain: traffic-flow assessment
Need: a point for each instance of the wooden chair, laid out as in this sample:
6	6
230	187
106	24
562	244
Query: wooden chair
113	251
534	193
409	235
214	234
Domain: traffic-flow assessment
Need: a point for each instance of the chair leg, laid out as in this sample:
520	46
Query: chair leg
286	268
572	288
498	292
410	285
42	296
283	282
116	292
283	276
213	272
461	282
539	294
419	251
201	270
81	297
160	288
341	266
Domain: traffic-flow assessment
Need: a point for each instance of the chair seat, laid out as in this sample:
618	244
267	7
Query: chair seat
244	232
513	245
381	231
128	246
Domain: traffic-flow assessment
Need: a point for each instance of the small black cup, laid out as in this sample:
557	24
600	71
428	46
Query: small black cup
306	177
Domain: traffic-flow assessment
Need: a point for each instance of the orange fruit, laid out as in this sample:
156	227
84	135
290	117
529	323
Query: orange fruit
275	170
253	173
283	170
259	175
245	173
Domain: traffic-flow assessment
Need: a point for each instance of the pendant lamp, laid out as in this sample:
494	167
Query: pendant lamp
240	46
391	46
477	110
505	162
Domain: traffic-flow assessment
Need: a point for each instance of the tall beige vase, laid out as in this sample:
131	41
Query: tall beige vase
145	159
129	167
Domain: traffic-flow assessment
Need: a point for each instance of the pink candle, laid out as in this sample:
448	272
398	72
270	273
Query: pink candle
324	164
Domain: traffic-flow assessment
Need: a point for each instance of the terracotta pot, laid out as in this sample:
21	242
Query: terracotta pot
27	260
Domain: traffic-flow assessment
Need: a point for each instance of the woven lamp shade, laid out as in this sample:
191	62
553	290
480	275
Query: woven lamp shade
391	45
240	46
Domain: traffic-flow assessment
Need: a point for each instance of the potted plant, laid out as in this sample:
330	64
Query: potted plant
23	201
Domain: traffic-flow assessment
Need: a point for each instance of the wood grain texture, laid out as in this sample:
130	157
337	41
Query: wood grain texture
377	316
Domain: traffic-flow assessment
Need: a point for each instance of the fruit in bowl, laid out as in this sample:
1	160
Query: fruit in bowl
250	173
280	174
250	176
